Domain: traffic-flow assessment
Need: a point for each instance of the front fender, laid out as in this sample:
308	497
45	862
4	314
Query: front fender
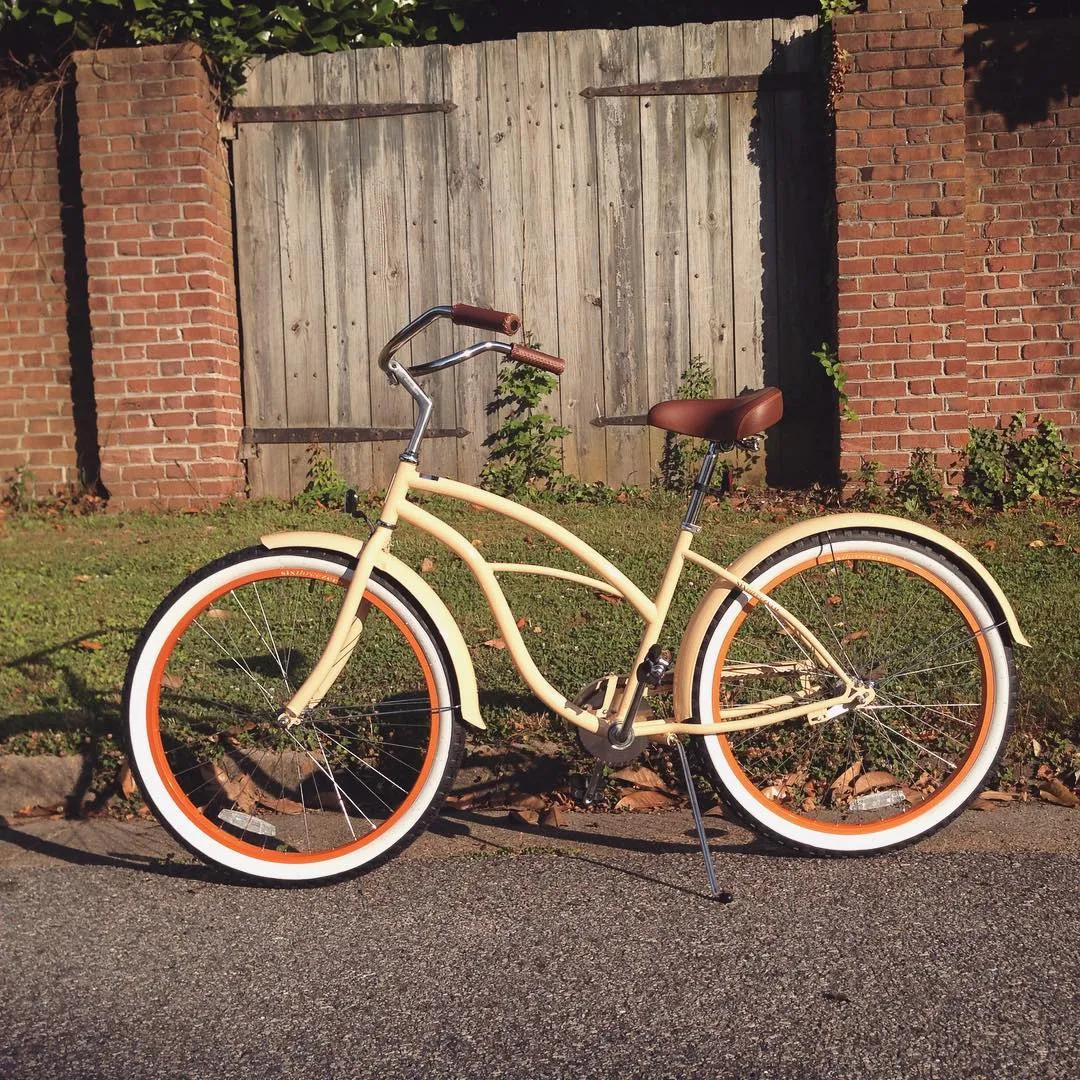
711	601
420	590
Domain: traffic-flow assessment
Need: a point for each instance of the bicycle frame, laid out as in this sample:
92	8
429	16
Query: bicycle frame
397	508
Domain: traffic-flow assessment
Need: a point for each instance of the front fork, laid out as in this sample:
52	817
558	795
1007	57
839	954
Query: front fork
350	621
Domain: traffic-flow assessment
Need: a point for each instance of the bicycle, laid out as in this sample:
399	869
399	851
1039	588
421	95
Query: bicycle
296	711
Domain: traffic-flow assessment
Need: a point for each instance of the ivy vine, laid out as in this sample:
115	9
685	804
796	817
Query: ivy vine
38	35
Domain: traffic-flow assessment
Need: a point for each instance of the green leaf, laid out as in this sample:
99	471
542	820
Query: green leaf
62	17
456	21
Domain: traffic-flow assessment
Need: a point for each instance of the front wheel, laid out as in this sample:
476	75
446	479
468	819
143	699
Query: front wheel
357	777
900	618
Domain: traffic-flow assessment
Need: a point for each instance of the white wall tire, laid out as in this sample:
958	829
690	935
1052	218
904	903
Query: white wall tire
772	810
218	844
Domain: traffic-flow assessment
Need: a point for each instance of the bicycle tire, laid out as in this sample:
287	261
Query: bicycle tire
875	594
214	763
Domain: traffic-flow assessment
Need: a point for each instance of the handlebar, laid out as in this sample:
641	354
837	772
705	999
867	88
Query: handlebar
503	322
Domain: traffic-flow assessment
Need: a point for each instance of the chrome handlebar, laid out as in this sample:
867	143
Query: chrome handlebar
420	323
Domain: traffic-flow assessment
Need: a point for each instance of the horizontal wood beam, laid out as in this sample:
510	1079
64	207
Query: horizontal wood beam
301	114
337	435
715	84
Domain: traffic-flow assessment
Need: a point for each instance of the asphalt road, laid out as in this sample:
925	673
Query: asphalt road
590	951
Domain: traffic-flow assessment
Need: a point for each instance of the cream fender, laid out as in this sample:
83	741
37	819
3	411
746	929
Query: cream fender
711	601
417	587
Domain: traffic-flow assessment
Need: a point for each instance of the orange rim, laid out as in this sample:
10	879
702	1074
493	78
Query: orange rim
926	804
189	809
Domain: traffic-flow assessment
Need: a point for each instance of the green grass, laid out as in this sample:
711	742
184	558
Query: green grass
75	591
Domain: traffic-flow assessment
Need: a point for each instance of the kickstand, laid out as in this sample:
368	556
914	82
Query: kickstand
718	894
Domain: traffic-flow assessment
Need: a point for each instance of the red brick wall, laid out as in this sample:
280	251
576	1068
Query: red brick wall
160	277
1023	254
901	232
36	426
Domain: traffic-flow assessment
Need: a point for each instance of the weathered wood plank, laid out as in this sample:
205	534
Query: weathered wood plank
622	271
752	206
577	262
428	242
469	188
708	212
663	189
378	78
300	241
800	450
259	273
342	213
539	298
504	157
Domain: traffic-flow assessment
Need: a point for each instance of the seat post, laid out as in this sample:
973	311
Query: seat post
700	488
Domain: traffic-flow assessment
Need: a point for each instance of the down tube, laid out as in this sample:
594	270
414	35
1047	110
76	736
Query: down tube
504	617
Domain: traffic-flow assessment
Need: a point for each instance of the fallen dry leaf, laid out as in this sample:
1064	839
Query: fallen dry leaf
843	781
427	565
1037	544
990	545
494	643
522	623
873	780
997	796
125	782
608	598
55	811
82	578
282	806
218	613
526	817
527	802
89	645
985	804
855	635
834	600
641	776
172	682
1054	791
644	800
553	819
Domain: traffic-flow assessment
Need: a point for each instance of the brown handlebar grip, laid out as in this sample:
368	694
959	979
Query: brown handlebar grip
523	354
502	322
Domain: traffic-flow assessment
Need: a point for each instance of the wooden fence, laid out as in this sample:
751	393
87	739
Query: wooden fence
633	227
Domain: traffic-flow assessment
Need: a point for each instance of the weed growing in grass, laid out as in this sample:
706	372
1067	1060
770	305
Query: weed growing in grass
325	485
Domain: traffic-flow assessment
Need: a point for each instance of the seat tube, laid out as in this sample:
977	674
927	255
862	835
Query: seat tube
701	486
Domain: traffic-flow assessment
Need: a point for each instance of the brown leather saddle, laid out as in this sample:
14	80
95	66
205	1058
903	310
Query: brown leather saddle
722	420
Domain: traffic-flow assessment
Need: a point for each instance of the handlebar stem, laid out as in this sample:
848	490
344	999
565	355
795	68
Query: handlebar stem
424	407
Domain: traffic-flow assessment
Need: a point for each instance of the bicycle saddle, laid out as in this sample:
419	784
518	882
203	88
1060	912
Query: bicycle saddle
722	420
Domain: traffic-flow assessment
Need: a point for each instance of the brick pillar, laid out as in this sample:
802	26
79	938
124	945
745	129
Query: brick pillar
160	277
36	423
901	231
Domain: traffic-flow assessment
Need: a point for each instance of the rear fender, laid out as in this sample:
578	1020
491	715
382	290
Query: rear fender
420	590
710	603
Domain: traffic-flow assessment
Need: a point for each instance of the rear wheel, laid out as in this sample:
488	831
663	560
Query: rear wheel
353	779
902	619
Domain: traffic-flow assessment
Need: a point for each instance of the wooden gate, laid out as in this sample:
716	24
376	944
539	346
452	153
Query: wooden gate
641	197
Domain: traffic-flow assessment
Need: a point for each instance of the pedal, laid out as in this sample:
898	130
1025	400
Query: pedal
593	784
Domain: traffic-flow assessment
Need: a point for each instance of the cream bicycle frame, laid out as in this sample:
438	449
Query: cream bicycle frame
653	612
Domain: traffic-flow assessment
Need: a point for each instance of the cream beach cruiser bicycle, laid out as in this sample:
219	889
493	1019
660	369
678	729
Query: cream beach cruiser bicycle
296	710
